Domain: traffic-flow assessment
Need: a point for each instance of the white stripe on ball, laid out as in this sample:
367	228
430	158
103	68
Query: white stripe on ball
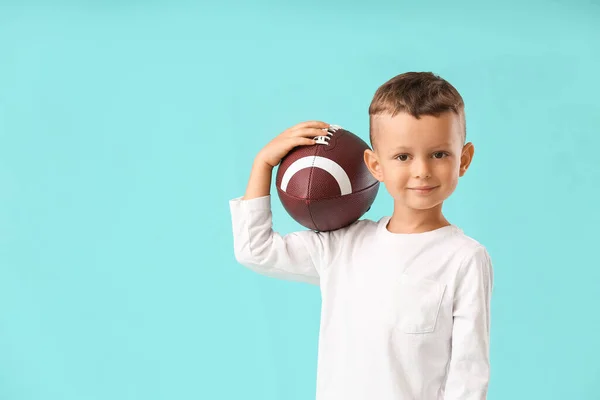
334	169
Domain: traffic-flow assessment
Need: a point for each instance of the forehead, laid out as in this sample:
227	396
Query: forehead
405	130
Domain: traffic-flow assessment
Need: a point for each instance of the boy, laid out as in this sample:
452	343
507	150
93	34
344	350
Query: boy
405	299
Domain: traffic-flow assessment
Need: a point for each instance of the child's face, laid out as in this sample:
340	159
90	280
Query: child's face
411	153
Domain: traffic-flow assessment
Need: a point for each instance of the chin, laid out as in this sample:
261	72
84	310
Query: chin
417	205
424	208
424	204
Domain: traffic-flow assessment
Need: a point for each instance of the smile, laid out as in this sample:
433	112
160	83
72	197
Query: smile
423	189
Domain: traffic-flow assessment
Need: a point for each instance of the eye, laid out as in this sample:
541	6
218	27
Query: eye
440	154
402	157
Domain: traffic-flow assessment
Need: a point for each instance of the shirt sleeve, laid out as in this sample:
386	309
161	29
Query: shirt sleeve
298	256
469	368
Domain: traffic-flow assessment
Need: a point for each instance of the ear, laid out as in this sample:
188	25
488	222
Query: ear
372	163
466	158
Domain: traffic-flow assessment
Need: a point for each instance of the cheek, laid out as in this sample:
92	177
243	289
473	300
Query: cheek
395	178
396	173
449	172
453	182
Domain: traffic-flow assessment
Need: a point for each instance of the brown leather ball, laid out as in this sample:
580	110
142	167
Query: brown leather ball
327	186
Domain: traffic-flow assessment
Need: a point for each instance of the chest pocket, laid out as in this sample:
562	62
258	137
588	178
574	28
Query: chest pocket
417	304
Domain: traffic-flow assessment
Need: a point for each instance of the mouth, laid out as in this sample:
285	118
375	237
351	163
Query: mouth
423	189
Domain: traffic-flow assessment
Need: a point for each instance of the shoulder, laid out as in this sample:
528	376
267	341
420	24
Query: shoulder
360	232
466	252
360	228
473	257
467	246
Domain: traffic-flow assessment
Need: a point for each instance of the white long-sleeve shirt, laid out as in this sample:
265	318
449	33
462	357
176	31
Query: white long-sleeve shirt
403	316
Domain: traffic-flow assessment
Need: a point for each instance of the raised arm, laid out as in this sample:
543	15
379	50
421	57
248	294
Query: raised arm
297	256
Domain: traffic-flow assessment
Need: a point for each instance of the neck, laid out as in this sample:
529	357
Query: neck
408	220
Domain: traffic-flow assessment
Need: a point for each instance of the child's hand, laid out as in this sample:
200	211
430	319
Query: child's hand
298	135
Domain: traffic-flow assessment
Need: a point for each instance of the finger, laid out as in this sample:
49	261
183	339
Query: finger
310	124
309	132
302	141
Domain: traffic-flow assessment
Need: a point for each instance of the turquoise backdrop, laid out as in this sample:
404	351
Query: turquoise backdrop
126	127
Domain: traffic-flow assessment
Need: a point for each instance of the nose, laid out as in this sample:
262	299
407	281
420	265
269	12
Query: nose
421	169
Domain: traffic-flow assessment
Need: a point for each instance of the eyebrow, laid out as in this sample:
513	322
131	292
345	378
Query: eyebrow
404	148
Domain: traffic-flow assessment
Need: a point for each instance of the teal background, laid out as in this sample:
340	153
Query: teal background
126	127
